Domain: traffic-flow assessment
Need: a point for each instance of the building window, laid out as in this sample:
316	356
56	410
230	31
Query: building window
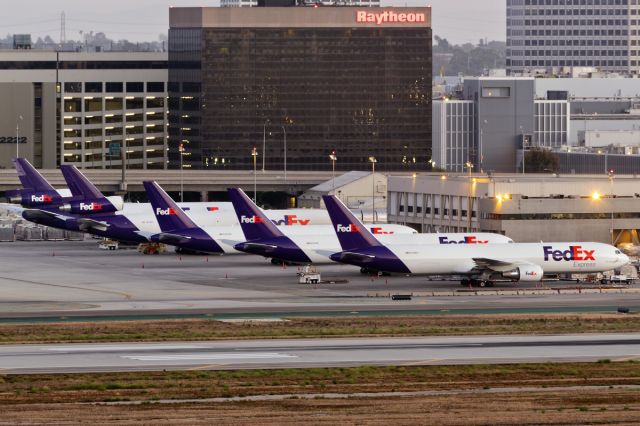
113	87
135	87
155	86
496	92
71	87
93	87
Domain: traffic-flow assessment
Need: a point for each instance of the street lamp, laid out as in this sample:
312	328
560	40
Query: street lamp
181	151
254	154
610	174
284	131
433	163
264	143
373	188
333	159
18	135
469	166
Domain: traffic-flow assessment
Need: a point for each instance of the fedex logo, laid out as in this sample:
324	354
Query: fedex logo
531	273
252	219
388	17
44	198
292	219
573	253
380	231
90	207
347	228
213	209
165	212
468	239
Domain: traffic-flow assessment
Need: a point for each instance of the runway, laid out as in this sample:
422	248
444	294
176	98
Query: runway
253	354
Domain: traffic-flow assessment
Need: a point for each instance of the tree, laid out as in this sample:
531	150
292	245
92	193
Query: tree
540	160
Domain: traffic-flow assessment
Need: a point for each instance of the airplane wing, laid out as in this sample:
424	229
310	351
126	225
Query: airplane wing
92	225
165	237
484	263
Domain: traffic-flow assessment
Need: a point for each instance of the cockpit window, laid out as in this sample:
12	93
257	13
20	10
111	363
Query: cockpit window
617	251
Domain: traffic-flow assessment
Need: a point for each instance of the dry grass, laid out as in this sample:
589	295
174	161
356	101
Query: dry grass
54	399
424	325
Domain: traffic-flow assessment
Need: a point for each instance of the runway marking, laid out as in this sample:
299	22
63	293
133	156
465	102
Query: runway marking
116	348
425	361
629	358
232	356
205	367
127	296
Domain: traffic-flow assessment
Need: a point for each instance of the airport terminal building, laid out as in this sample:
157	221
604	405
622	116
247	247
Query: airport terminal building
298	83
527	208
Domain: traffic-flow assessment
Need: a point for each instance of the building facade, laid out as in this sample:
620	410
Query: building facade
495	119
526	208
548	34
84	108
298	83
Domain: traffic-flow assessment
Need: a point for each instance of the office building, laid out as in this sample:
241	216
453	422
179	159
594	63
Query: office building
298	83
546	34
83	108
495	119
527	208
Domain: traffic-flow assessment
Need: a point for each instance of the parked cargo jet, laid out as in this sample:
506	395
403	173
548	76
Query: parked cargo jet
266	240
481	264
179	230
86	209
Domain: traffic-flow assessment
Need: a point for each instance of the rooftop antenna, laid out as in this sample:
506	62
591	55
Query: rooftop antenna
63	29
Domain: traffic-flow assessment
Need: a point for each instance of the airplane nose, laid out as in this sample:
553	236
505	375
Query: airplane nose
623	259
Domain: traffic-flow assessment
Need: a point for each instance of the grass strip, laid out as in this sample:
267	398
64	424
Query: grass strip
205	329
153	386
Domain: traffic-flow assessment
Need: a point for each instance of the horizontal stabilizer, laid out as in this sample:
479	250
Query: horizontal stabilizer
171	239
92	225
347	256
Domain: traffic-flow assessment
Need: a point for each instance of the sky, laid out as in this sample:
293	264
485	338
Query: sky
459	21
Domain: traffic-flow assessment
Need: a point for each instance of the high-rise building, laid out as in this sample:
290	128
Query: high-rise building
298	83
551	34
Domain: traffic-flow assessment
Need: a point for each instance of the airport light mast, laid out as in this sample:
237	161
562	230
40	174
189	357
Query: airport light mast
373	188
254	154
333	159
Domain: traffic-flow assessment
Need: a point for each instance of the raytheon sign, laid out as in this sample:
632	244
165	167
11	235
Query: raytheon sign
389	17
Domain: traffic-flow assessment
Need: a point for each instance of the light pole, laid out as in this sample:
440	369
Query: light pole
481	145
611	198
254	154
264	143
524	148
284	131
373	188
469	206
18	135
333	159
181	151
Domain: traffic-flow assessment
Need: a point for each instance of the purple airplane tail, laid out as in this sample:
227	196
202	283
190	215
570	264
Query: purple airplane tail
78	183
169	215
255	224
351	233
29	177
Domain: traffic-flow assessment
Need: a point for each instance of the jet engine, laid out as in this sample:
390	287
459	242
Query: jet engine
93	206
525	273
